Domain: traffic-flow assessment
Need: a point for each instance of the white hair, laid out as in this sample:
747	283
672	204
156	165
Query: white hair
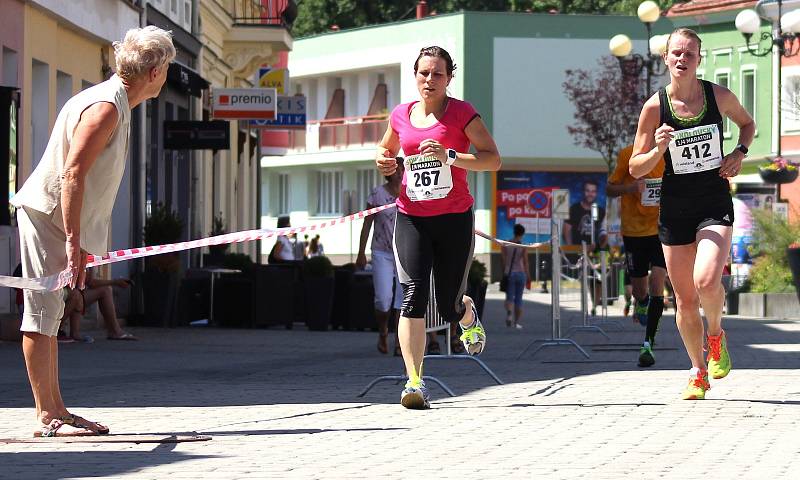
143	49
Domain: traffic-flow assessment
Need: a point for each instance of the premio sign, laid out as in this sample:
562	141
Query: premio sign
244	103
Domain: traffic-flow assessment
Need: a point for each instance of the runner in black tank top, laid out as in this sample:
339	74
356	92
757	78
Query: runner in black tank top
683	124
692	201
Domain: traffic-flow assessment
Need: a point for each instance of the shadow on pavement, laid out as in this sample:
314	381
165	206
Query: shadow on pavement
191	367
81	464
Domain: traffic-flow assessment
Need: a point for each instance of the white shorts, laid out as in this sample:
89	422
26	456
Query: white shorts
386	282
43	253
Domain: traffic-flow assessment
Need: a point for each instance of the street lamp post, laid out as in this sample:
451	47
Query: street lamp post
783	39
633	64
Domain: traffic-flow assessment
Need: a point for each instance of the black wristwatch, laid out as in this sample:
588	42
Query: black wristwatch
742	148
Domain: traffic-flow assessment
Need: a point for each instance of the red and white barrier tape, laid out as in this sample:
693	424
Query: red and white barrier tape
62	279
513	244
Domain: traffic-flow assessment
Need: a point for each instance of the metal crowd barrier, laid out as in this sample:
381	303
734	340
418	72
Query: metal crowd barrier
586	296
435	323
556	339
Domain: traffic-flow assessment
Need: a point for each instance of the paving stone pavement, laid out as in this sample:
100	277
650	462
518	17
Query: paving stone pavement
283	404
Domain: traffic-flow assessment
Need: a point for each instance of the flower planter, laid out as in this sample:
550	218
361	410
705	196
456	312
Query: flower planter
776	305
777	176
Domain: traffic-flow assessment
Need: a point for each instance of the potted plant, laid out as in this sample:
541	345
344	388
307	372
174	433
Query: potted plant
217	252
779	170
477	284
318	286
160	279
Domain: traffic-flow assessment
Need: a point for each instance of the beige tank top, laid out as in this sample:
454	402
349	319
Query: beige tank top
42	190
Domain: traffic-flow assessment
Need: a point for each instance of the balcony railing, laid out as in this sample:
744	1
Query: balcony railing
339	133
351	132
279	13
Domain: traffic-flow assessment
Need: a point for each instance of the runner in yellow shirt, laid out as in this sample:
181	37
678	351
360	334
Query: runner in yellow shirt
644	255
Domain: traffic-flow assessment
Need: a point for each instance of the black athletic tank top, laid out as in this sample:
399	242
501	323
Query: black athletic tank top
682	190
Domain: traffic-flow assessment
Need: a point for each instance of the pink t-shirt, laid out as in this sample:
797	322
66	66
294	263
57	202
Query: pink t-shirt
449	131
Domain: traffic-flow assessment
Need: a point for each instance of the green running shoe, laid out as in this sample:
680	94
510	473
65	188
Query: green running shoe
474	337
698	385
415	396
646	357
719	360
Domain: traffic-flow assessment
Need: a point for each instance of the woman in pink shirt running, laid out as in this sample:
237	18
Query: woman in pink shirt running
435	223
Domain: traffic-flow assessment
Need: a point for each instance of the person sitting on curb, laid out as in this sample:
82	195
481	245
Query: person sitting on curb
100	291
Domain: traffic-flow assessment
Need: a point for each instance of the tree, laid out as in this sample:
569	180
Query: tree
317	16
607	107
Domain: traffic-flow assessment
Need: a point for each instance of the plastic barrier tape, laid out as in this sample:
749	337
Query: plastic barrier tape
62	279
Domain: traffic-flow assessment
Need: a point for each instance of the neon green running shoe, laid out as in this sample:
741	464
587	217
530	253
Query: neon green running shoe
473	337
646	357
698	385
415	395
719	360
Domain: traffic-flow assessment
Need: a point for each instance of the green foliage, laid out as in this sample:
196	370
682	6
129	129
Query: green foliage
317	16
317	267
477	272
218	225
162	226
771	238
218	228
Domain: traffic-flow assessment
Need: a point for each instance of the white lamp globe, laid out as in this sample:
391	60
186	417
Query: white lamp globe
658	44
620	45
648	11
790	22
748	22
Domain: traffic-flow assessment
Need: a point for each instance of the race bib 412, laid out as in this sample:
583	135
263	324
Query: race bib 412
695	149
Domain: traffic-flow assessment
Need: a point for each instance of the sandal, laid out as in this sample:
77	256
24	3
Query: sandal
434	349
80	422
52	430
382	347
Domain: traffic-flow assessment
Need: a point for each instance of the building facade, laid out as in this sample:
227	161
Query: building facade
237	38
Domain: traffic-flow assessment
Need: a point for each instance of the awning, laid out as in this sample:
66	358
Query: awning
186	79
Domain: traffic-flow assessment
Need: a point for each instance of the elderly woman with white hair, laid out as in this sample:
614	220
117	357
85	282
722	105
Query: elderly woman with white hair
64	207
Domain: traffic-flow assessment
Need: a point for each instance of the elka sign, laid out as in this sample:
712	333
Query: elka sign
244	103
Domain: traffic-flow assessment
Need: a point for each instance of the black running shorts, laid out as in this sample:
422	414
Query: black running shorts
679	224
642	254
442	243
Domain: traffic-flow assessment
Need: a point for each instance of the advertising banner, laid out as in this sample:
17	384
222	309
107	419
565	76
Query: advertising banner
526	198
277	78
